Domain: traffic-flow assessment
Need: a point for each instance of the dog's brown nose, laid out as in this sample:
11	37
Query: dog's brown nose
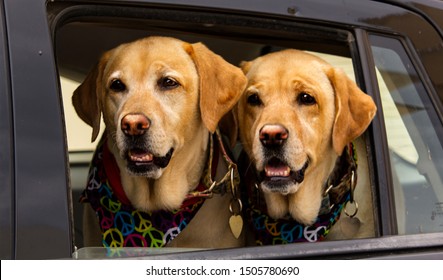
273	135
135	124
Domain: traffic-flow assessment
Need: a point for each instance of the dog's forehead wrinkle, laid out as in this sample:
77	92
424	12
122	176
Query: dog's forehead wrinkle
150	52
173	64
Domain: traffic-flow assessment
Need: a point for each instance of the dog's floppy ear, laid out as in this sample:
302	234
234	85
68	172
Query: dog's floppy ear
229	126
86	98
221	84
245	66
354	110
229	123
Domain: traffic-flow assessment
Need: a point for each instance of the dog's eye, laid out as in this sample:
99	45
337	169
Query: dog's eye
306	99
168	83
117	85
254	100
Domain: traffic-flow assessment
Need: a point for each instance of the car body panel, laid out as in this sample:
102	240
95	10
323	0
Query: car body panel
40	196
6	151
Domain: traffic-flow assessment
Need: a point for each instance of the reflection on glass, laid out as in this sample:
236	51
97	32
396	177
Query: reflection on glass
414	138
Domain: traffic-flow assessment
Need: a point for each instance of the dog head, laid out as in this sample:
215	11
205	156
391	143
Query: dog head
156	96
295	117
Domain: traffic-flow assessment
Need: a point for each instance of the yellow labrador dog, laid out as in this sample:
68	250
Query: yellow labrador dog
296	118
161	100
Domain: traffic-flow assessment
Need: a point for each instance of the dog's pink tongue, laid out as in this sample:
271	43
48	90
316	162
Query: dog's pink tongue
279	170
140	156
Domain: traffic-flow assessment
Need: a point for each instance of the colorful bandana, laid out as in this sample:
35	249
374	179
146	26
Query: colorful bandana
120	223
269	231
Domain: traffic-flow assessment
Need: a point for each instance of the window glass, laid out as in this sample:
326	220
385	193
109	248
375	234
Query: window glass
414	138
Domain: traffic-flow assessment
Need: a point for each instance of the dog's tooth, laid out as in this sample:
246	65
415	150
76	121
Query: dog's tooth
286	172
277	172
141	157
148	157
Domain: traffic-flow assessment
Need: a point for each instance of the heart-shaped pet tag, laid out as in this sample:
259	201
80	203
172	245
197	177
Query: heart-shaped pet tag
236	225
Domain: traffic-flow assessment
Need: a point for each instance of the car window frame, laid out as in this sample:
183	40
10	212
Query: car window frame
6	150
383	193
386	217
39	158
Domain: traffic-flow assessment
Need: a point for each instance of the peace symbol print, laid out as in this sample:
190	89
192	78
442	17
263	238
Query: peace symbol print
287	232
135	240
106	218
141	223
154	237
125	222
110	205
311	235
112	238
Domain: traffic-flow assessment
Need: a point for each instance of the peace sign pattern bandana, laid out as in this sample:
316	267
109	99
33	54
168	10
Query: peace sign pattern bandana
284	231
124	226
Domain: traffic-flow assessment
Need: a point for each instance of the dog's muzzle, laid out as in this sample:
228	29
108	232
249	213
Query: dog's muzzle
277	175
140	160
